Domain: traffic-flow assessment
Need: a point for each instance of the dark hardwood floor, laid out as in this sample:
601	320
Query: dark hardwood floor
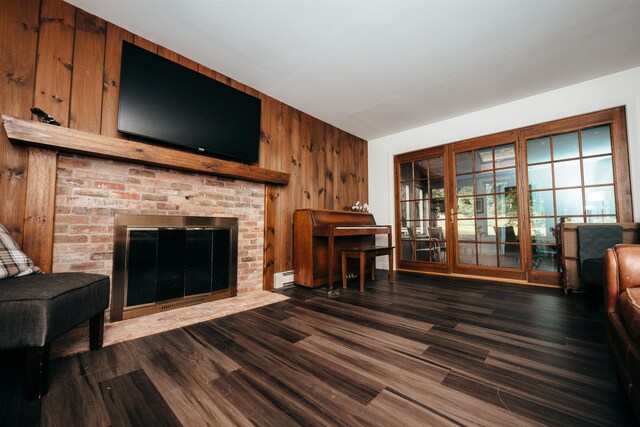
423	351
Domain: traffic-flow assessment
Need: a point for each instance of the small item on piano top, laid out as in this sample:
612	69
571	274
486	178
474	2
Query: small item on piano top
360	208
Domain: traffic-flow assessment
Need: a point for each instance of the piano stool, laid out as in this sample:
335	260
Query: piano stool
319	236
364	254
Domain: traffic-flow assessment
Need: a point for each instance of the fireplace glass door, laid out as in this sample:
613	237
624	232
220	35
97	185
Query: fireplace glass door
163	262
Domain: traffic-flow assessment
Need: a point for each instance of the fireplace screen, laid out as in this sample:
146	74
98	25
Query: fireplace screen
163	262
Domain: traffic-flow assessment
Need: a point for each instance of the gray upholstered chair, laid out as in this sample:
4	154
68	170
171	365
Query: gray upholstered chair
36	309
593	241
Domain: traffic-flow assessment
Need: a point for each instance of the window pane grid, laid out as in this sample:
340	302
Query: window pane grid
487	207
570	175
422	212
406	172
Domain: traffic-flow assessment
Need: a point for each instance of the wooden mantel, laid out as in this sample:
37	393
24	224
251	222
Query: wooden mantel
32	133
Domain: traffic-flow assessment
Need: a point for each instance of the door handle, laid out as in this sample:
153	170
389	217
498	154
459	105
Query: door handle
452	216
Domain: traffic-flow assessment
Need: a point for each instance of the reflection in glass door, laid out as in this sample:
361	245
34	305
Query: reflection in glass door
422	211
570	177
490	206
486	216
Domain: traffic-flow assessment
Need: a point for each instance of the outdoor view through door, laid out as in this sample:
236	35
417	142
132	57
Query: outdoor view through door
487	207
422	211
570	178
490	206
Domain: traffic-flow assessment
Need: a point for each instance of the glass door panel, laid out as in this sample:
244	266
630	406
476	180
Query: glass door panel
422	211
486	215
570	178
491	205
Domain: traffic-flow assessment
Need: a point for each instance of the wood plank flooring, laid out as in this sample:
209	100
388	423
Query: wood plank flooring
421	351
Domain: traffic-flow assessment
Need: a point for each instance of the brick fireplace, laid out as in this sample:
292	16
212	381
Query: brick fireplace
90	191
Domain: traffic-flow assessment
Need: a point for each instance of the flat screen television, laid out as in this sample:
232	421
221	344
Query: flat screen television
165	102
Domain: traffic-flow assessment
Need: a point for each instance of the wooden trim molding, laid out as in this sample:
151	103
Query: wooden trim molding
32	133
40	207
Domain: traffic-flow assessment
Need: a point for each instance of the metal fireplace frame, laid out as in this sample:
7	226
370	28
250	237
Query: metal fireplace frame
125	222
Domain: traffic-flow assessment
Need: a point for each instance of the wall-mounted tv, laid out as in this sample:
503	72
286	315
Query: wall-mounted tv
165	102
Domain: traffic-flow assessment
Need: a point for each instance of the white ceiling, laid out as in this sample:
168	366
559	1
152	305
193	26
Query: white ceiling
374	68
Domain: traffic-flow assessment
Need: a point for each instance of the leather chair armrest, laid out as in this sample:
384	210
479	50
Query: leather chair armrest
622	271
611	281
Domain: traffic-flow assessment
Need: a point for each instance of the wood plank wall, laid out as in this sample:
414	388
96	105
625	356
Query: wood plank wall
67	62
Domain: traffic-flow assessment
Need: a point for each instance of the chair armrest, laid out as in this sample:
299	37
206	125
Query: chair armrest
612	284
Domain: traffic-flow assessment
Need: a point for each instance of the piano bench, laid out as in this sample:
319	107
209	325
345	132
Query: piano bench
364	254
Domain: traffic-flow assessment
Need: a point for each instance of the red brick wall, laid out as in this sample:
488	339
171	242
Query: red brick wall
91	191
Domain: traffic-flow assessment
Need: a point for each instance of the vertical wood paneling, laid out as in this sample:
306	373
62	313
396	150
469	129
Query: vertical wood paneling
55	59
274	161
111	80
145	44
284	232
168	54
18	41
251	91
297	192
52	93
74	76
175	57
269	192
270	218
230	82
345	172
338	196
354	183
237	85
363	171
330	157
347	176
186	62
294	171
359	176
318	152
339	149
274	158
208	72
223	79
40	207
265	130
88	73
622	176
305	185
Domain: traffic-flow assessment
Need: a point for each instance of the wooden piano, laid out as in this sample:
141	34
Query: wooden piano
319	237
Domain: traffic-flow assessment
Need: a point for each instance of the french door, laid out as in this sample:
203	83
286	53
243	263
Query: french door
486	214
490	206
421	207
575	170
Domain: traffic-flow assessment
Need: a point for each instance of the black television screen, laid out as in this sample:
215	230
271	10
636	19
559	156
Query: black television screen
169	103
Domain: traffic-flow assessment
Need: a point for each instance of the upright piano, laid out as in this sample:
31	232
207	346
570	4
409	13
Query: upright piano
319	237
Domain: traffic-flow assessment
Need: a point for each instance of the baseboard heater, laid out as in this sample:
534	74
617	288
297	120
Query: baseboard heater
282	279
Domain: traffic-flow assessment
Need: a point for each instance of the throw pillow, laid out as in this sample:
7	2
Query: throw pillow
13	262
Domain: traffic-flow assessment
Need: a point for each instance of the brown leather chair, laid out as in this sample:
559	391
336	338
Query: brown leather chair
622	279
